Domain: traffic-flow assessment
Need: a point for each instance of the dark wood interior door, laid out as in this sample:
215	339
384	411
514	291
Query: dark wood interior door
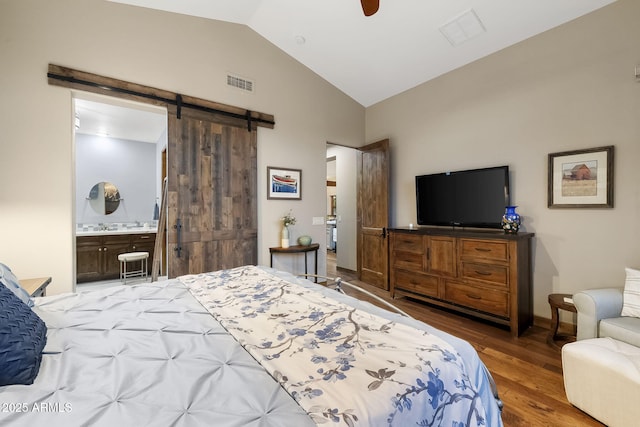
212	193
373	213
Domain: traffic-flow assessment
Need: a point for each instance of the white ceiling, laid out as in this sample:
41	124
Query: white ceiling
373	58
119	119
368	58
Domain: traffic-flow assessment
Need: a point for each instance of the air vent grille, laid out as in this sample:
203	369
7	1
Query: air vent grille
240	83
463	27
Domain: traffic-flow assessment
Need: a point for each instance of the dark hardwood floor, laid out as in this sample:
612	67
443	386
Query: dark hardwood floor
527	371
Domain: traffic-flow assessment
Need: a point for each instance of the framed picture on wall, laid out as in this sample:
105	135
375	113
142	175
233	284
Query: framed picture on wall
581	178
284	183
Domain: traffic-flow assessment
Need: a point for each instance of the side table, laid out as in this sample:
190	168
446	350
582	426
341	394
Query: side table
298	249
36	287
558	302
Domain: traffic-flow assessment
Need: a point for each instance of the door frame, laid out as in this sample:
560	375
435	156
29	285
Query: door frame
107	100
346	158
356	236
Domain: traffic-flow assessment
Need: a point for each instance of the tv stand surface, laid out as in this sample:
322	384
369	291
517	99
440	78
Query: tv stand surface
484	273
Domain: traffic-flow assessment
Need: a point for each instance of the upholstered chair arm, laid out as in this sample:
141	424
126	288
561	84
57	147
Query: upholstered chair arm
593	305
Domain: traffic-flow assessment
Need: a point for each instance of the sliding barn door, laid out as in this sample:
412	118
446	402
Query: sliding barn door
212	196
373	213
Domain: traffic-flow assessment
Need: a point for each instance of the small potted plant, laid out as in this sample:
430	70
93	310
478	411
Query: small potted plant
287	220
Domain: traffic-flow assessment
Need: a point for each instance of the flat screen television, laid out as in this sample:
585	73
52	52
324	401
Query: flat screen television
468	198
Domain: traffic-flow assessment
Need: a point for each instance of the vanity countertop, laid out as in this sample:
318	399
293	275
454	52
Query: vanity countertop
132	230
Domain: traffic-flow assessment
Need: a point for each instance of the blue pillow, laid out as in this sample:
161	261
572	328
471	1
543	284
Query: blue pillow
9	279
23	335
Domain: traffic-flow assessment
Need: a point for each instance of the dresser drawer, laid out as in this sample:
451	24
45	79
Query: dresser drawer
409	242
143	238
419	283
484	249
408	260
495	274
488	300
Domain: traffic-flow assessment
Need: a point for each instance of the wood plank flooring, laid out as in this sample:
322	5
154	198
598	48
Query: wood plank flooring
527	371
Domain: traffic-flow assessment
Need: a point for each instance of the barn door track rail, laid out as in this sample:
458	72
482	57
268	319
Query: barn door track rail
74	79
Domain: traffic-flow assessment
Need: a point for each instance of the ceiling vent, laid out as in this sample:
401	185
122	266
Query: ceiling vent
240	83
463	27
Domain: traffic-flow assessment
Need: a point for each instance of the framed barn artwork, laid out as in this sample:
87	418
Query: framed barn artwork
284	183
581	178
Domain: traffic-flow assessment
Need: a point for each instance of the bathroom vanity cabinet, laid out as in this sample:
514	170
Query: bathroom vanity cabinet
97	255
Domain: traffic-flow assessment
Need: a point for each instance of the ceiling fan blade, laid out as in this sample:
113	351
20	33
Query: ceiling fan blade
369	7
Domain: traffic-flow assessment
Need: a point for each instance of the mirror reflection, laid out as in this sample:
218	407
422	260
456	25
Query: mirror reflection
104	198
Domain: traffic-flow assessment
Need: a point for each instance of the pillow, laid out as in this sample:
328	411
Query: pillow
22	337
631	295
9	279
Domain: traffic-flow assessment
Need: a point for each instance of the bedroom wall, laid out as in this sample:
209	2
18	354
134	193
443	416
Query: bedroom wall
570	88
173	52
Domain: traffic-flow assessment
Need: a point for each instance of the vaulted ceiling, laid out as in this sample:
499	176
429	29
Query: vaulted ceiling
404	44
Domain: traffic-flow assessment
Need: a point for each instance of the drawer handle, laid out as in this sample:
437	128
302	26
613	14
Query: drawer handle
483	273
483	249
473	296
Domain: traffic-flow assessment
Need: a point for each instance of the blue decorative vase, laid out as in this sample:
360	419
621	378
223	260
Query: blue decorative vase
511	220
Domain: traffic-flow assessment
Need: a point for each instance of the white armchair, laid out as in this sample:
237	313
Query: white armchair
599	316
601	369
594	305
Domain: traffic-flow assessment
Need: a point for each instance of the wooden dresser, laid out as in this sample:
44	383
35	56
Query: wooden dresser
486	274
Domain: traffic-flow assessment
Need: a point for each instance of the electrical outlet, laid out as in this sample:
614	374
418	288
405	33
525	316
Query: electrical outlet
318	220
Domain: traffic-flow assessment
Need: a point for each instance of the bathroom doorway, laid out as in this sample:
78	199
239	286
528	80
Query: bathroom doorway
118	145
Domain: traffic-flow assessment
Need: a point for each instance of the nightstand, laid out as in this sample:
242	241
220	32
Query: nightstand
36	287
559	302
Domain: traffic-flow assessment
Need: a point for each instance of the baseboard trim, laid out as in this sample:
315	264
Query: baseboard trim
346	270
545	323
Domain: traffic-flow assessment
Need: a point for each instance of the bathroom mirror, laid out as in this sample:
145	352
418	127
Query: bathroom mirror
104	198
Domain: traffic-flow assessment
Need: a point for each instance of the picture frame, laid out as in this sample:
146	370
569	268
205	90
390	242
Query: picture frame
284	183
581	178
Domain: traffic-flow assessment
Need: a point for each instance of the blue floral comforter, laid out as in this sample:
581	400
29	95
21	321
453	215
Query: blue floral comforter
342	364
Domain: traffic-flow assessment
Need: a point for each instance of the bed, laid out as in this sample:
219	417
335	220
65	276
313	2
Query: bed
249	346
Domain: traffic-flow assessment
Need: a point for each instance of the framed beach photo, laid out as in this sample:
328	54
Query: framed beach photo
581	178
284	183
